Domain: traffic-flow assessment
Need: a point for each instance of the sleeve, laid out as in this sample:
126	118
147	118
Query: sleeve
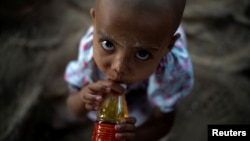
173	79
78	72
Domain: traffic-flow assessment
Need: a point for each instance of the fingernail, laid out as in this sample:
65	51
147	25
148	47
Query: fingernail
117	127
118	135
99	98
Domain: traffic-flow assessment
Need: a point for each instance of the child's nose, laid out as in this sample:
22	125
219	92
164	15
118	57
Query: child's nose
119	67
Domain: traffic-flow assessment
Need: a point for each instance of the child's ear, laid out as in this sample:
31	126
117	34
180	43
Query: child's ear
173	40
92	13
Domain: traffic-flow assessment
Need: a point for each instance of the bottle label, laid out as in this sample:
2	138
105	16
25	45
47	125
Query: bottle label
104	131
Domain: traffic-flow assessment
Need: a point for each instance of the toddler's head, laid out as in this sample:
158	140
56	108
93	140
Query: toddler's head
131	36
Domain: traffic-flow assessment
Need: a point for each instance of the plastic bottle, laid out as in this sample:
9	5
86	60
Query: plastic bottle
112	110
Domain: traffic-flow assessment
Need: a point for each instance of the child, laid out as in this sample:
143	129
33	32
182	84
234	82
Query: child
135	42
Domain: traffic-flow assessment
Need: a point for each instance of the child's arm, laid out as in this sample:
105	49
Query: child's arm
126	129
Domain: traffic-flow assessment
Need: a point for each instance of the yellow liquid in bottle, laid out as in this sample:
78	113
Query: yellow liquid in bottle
113	109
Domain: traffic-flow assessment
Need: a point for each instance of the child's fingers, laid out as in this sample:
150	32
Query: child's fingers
98	87
127	136
116	87
106	86
89	97
92	94
91	106
131	120
92	101
111	85
125	127
127	124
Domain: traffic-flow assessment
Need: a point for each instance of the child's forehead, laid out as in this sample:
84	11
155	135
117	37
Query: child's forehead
138	5
145	11
171	10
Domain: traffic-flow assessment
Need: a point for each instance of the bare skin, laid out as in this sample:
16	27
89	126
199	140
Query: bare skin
127	47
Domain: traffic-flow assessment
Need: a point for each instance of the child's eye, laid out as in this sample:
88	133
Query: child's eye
107	45
142	55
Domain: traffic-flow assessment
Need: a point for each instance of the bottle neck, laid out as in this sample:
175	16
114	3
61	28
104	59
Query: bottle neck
113	109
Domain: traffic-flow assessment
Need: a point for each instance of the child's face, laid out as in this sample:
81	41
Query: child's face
128	45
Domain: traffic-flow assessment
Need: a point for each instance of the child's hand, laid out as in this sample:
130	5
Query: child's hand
126	129
92	94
